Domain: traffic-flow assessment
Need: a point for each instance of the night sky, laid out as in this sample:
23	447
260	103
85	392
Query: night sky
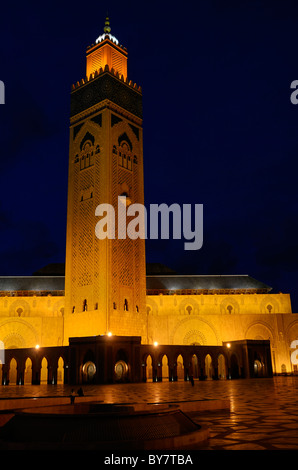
219	127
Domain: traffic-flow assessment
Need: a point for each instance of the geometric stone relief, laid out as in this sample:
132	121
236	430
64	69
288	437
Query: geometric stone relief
58	308
185	328
151	306
230	306
18	333
19	308
194	337
188	306
269	305
260	330
291	333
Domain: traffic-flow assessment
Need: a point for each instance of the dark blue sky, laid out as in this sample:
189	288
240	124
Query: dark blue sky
219	127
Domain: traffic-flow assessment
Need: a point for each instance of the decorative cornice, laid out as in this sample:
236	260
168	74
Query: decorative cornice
111	43
106	85
101	106
96	74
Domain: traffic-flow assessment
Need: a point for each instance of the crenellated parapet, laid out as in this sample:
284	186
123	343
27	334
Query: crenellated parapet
106	84
106	69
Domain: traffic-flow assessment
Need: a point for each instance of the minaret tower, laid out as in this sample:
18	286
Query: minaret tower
105	280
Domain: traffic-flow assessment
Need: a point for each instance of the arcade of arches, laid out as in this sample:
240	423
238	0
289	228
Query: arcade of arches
124	359
183	370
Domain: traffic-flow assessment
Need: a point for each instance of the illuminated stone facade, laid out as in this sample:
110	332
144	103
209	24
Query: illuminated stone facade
104	288
105	279
209	320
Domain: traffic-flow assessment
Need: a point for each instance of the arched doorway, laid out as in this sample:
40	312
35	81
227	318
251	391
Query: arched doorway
234	367
195	366
89	371
208	367
222	372
44	371
121	367
28	372
121	371
164	368
149	365
60	371
180	368
13	372
258	366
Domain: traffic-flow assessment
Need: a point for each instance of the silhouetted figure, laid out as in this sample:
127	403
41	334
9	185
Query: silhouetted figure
192	381
80	392
72	397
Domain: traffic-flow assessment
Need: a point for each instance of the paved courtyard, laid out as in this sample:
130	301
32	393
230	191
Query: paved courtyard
263	413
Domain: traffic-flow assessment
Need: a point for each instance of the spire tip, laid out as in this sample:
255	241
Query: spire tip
107	28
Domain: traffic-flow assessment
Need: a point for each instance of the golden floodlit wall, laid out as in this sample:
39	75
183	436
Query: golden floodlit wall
31	320
213	319
170	319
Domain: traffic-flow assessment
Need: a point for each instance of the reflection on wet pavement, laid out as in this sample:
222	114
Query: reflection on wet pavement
263	412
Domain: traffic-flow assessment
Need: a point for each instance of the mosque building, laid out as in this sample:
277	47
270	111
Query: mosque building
64	316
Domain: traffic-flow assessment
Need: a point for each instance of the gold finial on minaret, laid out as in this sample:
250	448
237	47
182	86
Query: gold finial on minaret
106	51
107	28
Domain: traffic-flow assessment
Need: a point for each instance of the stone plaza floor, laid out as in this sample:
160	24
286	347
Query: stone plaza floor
263	412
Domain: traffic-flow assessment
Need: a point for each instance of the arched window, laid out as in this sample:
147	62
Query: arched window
87	154
230	308
195	366
125	156
208	367
44	371
164	367
13	371
28	372
222	373
189	309
180	368
60	371
149	374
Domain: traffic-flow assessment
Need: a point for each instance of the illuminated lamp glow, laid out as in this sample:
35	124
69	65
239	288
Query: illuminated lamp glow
102	37
37	346
109	333
155	343
228	345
